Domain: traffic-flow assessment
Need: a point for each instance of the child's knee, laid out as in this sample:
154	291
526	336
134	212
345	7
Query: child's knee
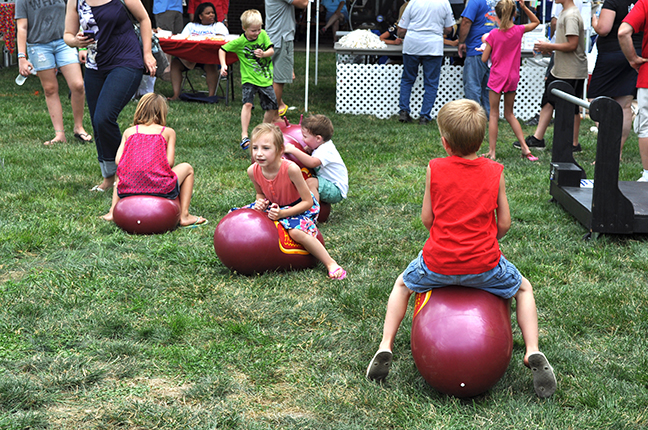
312	183
294	233
188	168
525	287
400	285
77	87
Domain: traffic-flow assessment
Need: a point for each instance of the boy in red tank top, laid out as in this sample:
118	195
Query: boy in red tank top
466	211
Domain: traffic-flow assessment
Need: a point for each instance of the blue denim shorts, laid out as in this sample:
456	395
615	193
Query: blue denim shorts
344	13
503	280
45	56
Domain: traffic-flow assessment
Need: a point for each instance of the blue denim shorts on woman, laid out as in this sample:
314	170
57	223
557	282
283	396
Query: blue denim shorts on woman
45	56
503	280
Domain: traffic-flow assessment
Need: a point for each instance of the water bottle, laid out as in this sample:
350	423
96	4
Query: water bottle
20	79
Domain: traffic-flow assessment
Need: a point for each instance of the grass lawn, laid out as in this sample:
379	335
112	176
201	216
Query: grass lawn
103	330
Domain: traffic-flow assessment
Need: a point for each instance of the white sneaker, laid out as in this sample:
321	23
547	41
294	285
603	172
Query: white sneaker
642	179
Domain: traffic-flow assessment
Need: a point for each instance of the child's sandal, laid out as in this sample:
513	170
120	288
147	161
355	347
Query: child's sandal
245	143
340	272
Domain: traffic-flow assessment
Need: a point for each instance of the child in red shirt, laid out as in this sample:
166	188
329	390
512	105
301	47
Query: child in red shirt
282	192
466	211
145	161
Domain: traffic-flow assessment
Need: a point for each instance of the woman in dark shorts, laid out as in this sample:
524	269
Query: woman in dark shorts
613	76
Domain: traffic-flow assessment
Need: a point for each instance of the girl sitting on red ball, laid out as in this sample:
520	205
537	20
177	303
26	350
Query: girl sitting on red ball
145	157
282	192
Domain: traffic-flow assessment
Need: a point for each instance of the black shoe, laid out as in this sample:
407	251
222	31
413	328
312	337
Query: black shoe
404	117
577	148
532	142
534	120
423	121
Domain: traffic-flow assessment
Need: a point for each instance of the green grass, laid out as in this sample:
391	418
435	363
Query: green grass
103	330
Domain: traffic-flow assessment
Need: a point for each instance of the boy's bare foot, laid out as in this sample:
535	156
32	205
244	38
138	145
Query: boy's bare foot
107	217
379	365
544	380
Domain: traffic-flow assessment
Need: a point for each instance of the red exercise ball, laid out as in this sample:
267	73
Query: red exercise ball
247	241
325	211
147	214
292	136
461	339
292	130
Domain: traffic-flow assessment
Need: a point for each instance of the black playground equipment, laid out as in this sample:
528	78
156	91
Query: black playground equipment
608	205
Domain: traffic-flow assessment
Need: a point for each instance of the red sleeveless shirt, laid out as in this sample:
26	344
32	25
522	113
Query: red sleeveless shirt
279	190
463	237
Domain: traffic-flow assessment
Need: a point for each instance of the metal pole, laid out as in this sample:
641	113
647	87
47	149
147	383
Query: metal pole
308	32
317	20
570	98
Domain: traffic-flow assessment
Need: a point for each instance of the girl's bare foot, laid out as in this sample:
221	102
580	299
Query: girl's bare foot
107	217
59	137
193	221
335	271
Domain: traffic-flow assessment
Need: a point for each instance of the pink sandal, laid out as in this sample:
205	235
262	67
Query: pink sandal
530	157
332	274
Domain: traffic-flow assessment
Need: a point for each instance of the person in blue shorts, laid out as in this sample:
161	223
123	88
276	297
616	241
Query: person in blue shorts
466	211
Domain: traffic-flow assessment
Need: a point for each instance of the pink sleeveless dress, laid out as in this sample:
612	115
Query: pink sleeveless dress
144	168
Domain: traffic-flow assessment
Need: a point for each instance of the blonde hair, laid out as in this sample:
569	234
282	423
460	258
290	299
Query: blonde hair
319	125
276	136
251	17
505	10
463	124
151	109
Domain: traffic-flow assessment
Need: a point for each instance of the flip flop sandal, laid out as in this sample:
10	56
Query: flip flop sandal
337	278
83	137
198	223
379	365
245	143
544	380
283	111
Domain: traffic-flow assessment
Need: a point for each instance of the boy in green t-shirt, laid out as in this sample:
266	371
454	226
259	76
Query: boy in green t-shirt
254	50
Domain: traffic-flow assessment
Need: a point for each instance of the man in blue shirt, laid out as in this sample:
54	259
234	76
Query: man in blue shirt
477	20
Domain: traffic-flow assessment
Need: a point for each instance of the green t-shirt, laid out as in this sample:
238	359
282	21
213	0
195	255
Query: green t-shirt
257	71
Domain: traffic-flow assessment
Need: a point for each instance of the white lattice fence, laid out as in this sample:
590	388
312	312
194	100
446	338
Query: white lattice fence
373	89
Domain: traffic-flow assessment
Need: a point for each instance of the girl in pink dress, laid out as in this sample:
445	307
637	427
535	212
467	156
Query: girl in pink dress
145	158
281	191
504	48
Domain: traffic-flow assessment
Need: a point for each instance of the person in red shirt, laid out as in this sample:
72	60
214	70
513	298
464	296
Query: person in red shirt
221	6
146	161
635	22
466	211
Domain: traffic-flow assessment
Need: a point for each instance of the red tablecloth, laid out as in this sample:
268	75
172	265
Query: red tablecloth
8	25
196	51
